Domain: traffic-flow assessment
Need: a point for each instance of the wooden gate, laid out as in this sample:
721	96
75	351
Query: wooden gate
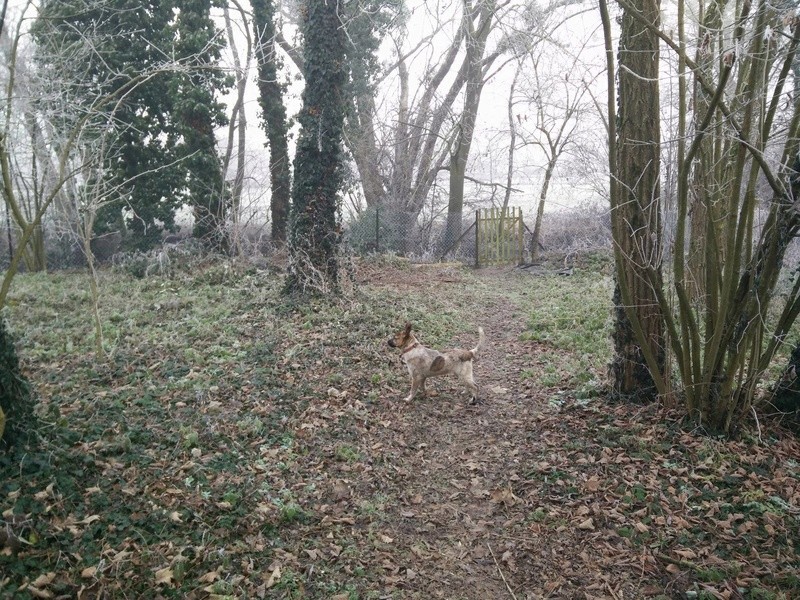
499	237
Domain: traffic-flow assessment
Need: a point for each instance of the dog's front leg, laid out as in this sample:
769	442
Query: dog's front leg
416	383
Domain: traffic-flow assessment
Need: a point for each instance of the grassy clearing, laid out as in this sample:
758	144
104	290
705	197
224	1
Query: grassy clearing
229	444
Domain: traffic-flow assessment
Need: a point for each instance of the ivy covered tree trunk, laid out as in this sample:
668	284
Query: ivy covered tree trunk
314	229
274	115
640	356
16	400
198	112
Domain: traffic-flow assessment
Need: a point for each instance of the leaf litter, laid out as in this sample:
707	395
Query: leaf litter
264	451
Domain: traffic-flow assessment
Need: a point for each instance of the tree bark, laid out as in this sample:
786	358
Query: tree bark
537	225
476	37
636	211
238	121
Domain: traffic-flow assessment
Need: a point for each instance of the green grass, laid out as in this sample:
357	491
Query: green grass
191	420
571	315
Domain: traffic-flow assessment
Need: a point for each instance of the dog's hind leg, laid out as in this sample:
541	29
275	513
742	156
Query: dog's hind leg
469	382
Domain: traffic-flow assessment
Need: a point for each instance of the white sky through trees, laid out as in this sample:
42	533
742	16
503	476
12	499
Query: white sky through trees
571	56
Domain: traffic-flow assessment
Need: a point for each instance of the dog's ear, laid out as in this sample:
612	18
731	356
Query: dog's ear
408	328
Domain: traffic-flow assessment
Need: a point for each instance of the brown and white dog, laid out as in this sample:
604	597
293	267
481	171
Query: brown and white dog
425	362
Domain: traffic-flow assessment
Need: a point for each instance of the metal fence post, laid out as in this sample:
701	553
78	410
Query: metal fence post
477	238
377	229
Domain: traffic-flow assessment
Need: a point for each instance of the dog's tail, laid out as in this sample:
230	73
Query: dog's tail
477	347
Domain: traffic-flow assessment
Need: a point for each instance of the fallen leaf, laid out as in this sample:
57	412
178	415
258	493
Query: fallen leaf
44	494
587	524
209	577
89	572
88	520
274	576
503	496
44	579
592	484
164	576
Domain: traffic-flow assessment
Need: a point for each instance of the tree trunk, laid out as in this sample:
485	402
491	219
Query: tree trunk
706	197
636	219
786	391
363	146
238	121
476	45
274	114
16	401
314	230
537	225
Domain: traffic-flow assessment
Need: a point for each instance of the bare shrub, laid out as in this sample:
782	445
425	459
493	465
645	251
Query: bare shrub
584	228
169	260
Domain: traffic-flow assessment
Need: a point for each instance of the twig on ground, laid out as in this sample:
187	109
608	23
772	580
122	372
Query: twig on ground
499	570
611	591
758	425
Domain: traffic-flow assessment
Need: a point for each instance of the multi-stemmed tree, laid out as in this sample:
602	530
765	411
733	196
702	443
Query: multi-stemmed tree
738	135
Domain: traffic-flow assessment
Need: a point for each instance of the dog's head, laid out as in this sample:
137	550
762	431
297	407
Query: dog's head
401	338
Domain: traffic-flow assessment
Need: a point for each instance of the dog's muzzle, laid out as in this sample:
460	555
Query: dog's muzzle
391	343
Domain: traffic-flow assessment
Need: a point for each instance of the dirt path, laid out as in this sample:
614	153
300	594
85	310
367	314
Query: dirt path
457	527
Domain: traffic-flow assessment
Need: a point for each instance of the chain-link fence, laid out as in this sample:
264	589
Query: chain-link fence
584	229
375	230
380	229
